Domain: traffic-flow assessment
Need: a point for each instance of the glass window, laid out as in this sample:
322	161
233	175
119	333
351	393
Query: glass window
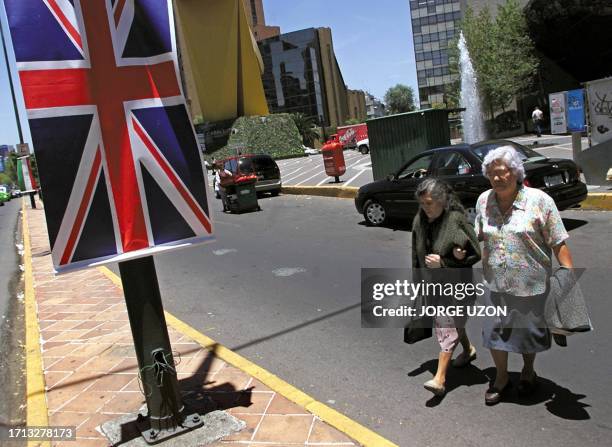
482	150
417	169
231	165
452	163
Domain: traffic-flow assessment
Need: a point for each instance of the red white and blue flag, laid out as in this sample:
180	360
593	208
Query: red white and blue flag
117	156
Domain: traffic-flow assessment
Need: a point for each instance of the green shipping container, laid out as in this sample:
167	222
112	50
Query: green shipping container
396	139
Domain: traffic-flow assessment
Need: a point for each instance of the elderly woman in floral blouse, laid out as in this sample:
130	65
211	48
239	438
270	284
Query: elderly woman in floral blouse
521	228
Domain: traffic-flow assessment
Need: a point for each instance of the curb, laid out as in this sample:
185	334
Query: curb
36	397
341	192
597	201
594	200
354	430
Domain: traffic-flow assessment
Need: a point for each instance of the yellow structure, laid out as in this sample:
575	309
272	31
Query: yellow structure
221	60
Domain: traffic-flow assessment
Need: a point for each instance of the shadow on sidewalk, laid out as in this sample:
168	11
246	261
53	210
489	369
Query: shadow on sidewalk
558	400
468	376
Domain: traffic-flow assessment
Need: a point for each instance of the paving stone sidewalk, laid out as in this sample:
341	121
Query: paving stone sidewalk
90	367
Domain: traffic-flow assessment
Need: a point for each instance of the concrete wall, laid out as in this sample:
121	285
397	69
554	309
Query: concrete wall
356	105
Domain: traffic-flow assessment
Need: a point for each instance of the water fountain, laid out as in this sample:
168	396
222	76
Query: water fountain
473	118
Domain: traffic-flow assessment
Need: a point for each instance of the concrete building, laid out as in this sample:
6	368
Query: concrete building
434	25
357	105
302	75
374	107
257	20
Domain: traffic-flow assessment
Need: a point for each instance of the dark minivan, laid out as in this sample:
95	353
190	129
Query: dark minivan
262	165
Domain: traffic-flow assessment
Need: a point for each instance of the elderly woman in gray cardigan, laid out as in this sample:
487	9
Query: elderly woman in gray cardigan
443	238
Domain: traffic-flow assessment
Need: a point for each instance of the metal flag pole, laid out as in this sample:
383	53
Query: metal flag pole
167	415
10	79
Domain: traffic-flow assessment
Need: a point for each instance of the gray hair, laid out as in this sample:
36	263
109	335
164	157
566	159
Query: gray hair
509	156
438	189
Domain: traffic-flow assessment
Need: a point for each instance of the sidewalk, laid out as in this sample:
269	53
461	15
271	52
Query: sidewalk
79	342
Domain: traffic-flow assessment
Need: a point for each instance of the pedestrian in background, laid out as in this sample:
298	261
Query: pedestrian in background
537	116
521	228
443	238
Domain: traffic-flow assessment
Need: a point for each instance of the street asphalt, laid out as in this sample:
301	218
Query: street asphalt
12	334
282	288
8	260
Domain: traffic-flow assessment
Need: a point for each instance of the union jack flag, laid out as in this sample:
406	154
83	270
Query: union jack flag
118	160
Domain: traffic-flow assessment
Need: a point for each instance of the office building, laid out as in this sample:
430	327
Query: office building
434	24
374	107
257	20
301	75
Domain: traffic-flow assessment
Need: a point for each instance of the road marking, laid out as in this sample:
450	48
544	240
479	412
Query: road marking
299	175
313	176
353	178
354	430
326	179
37	411
288	271
224	251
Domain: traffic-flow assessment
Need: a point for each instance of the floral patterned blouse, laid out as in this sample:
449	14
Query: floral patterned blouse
517	251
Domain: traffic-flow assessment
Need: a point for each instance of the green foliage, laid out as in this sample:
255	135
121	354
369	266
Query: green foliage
306	128
5	179
275	135
198	120
400	99
10	168
352	121
502	53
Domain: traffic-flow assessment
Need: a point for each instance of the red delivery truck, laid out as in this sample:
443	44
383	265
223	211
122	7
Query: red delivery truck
349	136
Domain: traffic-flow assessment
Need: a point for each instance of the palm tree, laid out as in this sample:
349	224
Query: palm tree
306	128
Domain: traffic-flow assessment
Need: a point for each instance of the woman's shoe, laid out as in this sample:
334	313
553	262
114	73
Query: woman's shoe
465	358
435	387
495	395
527	387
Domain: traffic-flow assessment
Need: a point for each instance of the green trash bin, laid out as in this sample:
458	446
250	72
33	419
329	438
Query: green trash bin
240	195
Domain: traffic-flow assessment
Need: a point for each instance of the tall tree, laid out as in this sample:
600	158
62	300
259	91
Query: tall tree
400	99
502	53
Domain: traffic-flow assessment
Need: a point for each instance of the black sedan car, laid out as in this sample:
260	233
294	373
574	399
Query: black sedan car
461	166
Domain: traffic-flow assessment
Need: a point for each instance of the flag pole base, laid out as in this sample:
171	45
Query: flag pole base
153	436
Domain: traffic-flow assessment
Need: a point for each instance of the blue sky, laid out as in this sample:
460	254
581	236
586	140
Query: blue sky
372	40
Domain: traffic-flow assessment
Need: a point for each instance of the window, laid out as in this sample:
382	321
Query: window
417	169
453	163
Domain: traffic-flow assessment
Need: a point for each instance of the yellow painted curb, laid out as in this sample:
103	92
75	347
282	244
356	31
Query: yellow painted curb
597	201
341	192
354	430
36	400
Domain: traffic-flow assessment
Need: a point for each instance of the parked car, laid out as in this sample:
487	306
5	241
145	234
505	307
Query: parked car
263	166
310	150
363	146
15	193
4	195
461	166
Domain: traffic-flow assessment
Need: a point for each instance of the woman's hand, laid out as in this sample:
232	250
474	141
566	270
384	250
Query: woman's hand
433	261
459	253
564	256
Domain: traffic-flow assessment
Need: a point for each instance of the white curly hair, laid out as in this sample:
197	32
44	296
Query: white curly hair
509	156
